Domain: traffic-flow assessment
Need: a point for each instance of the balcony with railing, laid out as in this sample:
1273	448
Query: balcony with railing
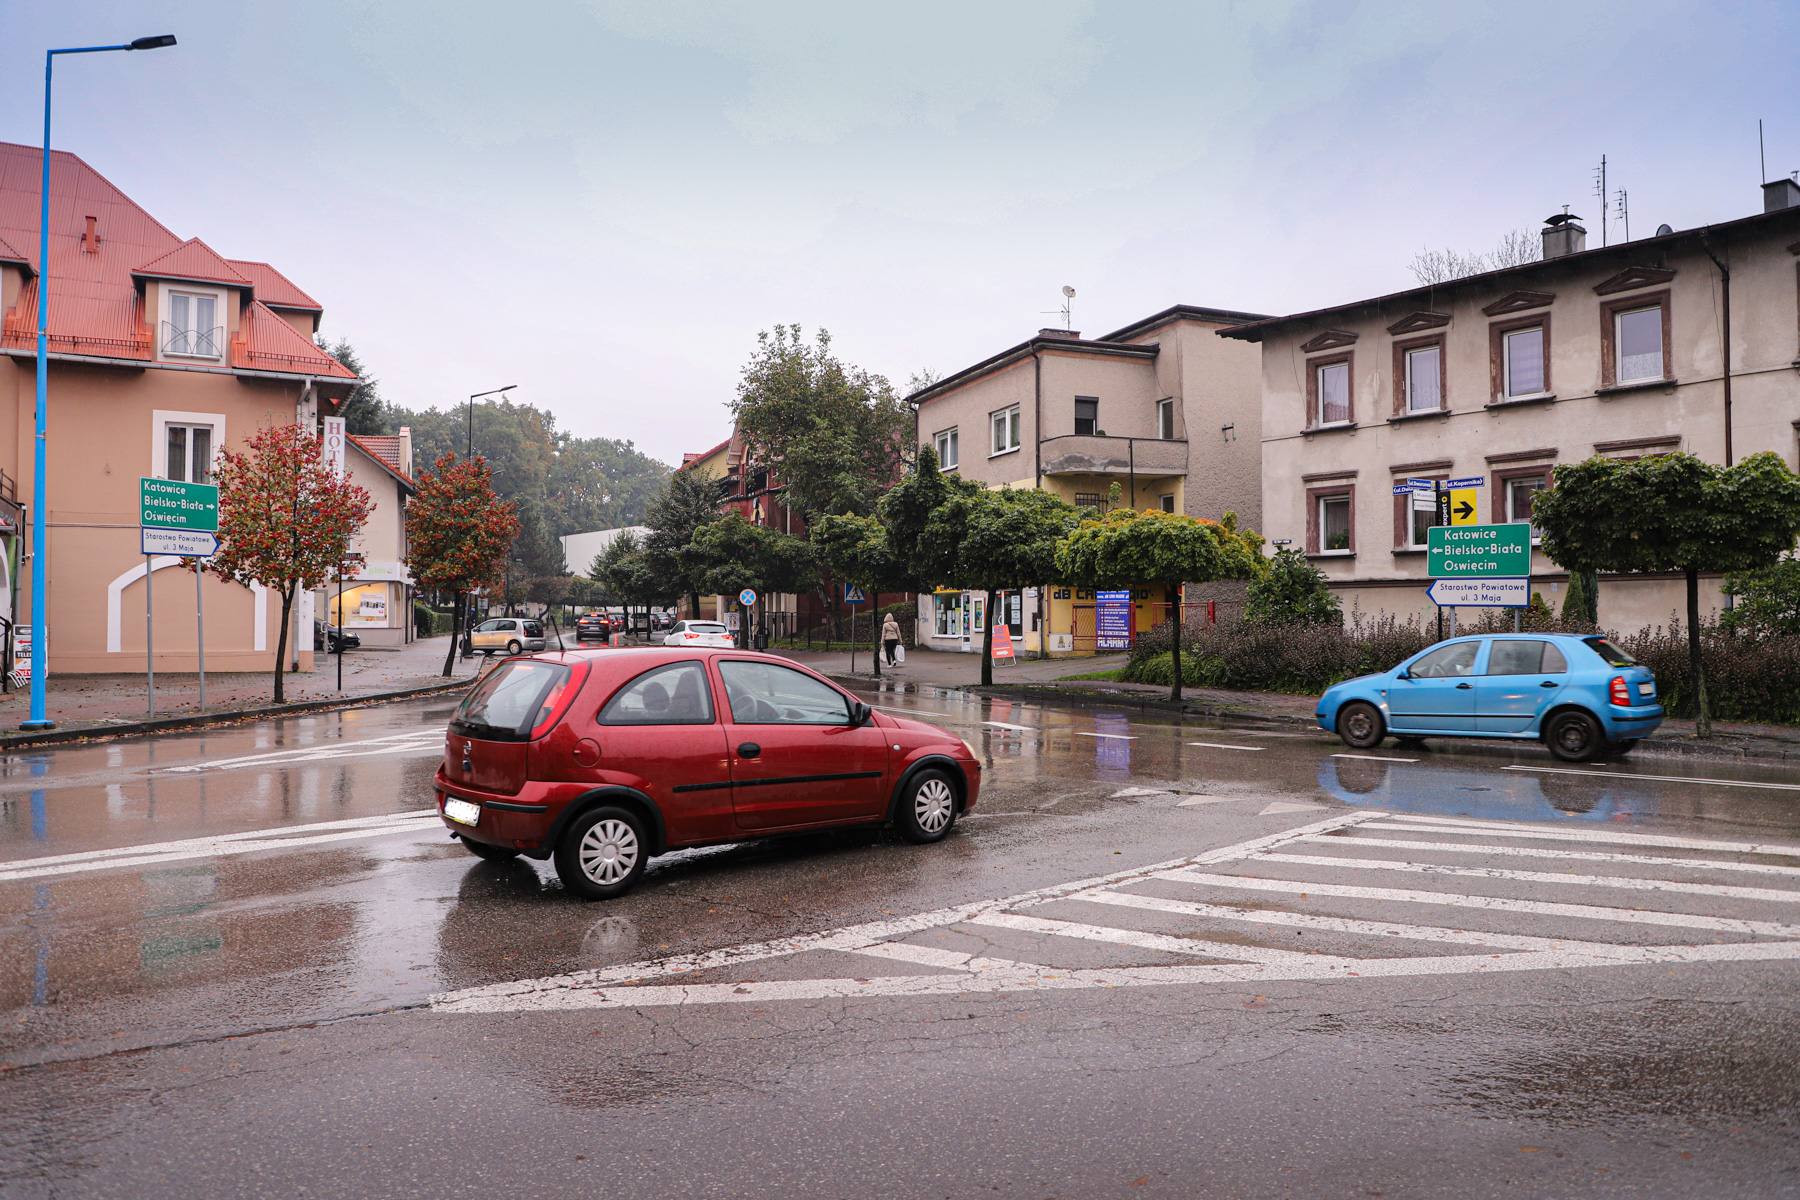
1097	454
193	343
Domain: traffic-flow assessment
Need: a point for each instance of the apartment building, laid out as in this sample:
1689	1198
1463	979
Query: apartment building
161	353
1685	340
1163	408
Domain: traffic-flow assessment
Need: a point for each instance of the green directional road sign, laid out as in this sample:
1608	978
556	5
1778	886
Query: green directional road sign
1478	551
173	504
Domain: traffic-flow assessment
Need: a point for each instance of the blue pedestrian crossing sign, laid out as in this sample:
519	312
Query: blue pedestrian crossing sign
854	594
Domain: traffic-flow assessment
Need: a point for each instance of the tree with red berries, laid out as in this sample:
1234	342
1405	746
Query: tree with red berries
458	533
285	520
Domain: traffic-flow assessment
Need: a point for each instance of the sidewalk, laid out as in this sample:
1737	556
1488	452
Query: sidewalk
1042	681
101	701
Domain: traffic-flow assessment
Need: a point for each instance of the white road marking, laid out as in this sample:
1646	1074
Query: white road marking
220	845
1009	727
1223	746
1786	787
1117	737
1651	860
413	741
1129	793
1145	941
1617	881
1374	758
1496	903
1443	825
1210	800
1288	806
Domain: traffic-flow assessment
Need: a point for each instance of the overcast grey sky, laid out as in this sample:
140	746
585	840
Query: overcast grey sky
603	202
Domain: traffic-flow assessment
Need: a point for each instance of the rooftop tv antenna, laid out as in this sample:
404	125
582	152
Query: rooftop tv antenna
1600	191
1624	211
1063	312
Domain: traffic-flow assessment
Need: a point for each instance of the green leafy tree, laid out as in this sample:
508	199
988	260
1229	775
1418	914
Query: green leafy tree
630	575
858	550
1292	592
285	520
1671	512
364	411
686	503
993	541
907	511
1124	548
1767	601
598	483
731	554
1581	602
832	435
458	532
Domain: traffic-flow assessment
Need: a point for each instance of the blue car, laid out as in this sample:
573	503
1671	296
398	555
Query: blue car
1581	696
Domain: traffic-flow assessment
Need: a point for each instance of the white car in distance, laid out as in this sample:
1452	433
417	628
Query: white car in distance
700	633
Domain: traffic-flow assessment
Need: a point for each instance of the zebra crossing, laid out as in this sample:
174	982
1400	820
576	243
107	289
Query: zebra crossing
1356	895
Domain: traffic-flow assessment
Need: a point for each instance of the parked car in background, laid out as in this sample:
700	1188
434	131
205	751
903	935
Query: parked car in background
329	638
592	625
510	635
661	620
601	761
700	633
1581	696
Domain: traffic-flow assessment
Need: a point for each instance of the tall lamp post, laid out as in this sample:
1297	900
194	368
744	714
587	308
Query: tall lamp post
38	719
472	399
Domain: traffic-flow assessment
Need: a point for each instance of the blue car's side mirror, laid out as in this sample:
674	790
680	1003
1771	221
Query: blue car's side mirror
1405	673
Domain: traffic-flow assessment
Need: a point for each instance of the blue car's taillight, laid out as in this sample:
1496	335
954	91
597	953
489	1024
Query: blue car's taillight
1620	691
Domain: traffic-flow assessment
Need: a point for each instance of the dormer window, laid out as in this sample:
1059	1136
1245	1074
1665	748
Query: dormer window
192	328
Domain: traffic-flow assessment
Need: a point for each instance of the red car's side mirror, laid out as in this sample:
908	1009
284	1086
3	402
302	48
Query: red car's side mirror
860	714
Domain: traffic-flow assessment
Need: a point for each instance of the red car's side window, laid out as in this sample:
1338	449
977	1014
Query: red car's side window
676	694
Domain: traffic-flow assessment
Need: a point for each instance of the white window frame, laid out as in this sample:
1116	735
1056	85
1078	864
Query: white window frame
1165	419
946	607
162	418
1003	427
1662	357
1319	393
1506	362
1342	498
943	438
163	325
1412	511
1436	349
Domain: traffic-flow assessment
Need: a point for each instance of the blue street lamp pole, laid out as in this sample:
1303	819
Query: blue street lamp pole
38	602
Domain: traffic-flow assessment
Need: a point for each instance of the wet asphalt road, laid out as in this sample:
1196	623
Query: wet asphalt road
1157	960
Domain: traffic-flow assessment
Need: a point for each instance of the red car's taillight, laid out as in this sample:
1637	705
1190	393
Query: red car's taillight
1620	690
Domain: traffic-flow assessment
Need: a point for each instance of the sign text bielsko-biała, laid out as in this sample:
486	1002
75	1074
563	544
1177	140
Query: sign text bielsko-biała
1478	551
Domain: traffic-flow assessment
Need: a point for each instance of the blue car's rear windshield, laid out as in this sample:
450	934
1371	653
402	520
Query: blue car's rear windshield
1613	656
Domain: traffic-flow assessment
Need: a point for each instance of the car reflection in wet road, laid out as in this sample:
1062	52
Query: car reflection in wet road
1158	959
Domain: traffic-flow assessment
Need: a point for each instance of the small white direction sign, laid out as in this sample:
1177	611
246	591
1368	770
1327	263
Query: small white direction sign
1513	592
188	543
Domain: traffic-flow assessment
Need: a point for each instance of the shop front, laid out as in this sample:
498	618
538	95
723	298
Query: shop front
1073	621
374	605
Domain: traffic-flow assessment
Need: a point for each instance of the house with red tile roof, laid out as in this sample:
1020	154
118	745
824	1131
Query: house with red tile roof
162	352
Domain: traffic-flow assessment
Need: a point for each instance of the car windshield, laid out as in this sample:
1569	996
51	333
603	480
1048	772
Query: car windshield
513	698
1613	656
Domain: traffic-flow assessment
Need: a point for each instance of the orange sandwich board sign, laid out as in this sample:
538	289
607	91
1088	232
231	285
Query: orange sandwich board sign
1003	647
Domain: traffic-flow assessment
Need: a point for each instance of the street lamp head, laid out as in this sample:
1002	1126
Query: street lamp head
152	43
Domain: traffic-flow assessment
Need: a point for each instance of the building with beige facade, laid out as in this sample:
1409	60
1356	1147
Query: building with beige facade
1686	341
162	352
376	603
1163	408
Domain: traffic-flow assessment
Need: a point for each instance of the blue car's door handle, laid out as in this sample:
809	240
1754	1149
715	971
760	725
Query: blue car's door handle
1549	683
1464	686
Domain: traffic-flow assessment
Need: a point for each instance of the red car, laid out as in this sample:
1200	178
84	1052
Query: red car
602	760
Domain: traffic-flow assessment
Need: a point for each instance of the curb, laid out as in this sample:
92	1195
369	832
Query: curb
101	733
1673	746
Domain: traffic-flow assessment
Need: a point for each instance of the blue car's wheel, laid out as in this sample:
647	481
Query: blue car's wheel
1360	725
1574	736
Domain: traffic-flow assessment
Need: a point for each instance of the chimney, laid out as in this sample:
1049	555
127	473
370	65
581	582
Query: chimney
90	240
1563	236
406	451
1067	334
1779	194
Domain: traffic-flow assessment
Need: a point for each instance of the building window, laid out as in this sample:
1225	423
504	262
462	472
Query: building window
1638	335
1520	495
946	450
1165	419
1167	502
182	444
1331	392
1414	515
192	329
1006	430
1522	361
1088	500
1087	415
1424	379
947	615
1334	524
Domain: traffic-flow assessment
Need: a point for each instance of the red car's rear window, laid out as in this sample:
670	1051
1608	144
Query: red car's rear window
514	698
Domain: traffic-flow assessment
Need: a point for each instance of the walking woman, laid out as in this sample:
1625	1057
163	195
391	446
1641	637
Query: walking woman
890	637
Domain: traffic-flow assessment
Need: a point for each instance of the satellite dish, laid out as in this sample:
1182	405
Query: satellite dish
1068	291
1663	231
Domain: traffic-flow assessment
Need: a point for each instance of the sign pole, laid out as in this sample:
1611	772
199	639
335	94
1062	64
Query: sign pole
1440	516
149	638
200	630
340	625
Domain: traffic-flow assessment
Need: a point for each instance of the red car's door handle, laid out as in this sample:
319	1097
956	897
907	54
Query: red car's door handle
749	749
